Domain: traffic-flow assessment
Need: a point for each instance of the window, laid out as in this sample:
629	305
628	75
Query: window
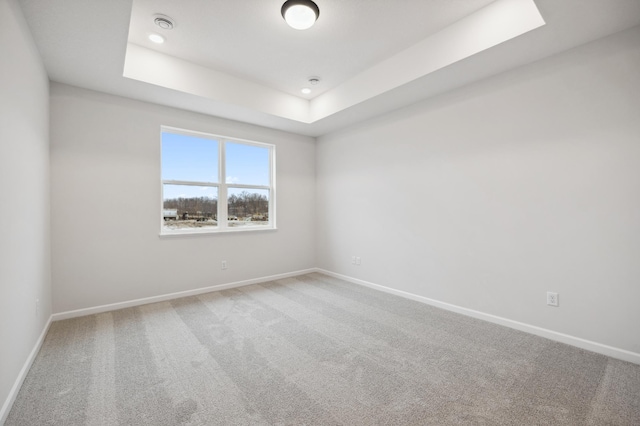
195	196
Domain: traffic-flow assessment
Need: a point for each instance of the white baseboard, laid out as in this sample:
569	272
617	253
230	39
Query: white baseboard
164	297
13	393
538	331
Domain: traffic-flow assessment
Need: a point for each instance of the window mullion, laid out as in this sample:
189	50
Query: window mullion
222	189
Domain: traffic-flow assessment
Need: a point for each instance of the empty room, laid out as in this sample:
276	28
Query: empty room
327	212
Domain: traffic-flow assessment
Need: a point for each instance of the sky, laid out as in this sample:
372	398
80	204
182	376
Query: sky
192	158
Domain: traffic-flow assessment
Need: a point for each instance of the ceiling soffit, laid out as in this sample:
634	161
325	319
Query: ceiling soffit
490	26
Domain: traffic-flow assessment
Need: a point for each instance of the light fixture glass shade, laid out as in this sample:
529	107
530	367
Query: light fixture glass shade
300	14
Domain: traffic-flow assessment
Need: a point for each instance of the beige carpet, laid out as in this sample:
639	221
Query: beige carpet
314	350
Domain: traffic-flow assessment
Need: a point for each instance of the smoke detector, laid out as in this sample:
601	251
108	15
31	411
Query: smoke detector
314	81
163	22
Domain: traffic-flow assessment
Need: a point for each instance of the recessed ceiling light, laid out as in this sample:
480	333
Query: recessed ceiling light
156	38
306	90
300	14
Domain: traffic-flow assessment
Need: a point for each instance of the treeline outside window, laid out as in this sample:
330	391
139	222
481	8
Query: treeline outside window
213	183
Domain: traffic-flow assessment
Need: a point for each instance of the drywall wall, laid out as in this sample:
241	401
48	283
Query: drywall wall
105	177
24	195
490	196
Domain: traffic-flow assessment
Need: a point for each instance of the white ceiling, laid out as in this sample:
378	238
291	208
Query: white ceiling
239	60
250	39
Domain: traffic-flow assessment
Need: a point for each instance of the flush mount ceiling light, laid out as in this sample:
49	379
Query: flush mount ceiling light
300	14
306	90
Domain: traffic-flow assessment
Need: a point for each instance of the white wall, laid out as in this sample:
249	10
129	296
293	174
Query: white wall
24	197
105	177
489	196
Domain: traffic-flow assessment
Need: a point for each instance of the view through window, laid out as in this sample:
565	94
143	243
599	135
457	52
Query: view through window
196	197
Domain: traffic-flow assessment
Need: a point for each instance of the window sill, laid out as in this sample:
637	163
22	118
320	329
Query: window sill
184	233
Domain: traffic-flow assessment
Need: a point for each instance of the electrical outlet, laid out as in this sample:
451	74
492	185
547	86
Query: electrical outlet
224	264
358	261
353	260
552	298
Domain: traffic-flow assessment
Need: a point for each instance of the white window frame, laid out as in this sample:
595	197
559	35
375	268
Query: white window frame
221	185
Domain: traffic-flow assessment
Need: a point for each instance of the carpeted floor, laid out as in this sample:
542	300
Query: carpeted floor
314	350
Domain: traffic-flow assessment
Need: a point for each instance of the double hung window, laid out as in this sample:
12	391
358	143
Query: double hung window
213	183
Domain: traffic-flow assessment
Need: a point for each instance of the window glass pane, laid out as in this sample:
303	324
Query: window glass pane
189	207
247	164
248	207
189	158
